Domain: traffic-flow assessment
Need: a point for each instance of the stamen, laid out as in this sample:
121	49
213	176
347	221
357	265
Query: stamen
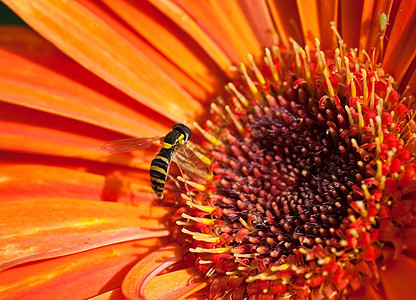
296	49
379	169
237	124
350	119
335	30
372	97
305	65
206	160
208	209
203	250
214	108
282	267
366	192
198	220
261	276
250	83
195	185
369	61
276	54
201	237
328	82
208	136
322	55
269	62
301	187
360	117
353	89
240	96
380	129
257	72
320	64
389	89
338	60
308	53
348	75
244	255
245	224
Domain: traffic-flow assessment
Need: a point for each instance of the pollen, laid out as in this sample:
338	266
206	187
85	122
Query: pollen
310	152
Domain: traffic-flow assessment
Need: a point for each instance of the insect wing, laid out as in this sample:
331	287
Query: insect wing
190	163
128	145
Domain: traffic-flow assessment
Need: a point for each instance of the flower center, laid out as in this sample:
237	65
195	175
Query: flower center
290	177
308	152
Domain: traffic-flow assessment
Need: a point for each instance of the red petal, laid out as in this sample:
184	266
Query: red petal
398	279
45	228
76	276
367	293
118	60
412	82
409	240
351	21
400	50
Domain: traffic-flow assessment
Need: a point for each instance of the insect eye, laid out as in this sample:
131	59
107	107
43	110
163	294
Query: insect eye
183	129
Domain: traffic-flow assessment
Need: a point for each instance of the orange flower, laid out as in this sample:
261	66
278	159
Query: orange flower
312	152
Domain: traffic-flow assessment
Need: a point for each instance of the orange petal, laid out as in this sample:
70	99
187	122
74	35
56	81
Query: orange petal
351	22
286	17
309	18
115	294
400	50
117	59
45	228
264	31
76	276
30	181
133	179
174	285
328	12
171	41
223	22
31	131
191	25
230	16
138	277
370	33
69	89
315	16
399	279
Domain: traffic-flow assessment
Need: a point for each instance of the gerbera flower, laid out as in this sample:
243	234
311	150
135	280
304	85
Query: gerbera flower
310	145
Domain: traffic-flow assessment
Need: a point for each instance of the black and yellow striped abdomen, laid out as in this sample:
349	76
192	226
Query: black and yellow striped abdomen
159	170
159	167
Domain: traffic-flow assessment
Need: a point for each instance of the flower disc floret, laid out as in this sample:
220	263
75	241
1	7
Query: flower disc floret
312	154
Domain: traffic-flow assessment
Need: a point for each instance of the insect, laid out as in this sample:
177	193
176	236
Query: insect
172	143
383	22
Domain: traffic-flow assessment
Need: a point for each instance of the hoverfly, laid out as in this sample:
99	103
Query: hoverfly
173	142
